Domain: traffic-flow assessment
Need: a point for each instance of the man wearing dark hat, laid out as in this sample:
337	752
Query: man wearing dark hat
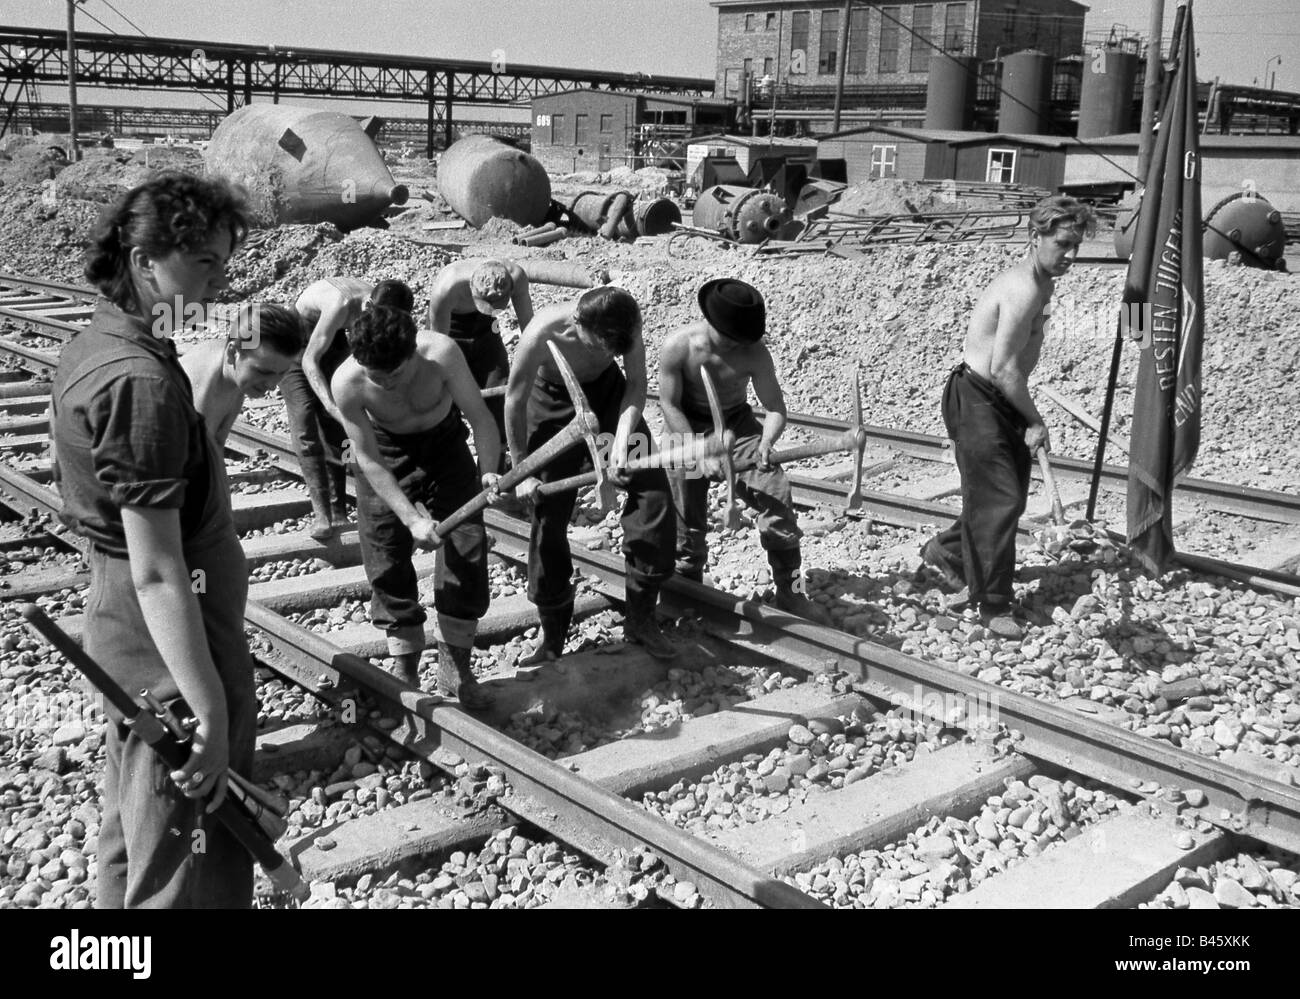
464	305
602	325
728	342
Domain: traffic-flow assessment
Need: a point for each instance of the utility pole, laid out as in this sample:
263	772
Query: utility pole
1151	89
839	69
74	152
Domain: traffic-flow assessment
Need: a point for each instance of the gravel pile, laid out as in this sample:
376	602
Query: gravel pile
1267	881
817	757
950	856
287	569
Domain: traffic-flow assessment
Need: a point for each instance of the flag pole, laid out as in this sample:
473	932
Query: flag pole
1117	354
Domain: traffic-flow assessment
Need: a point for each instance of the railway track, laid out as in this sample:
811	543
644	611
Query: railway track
859	758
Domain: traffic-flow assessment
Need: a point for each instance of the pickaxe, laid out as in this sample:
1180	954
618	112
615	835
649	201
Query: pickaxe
583	427
853	440
730	516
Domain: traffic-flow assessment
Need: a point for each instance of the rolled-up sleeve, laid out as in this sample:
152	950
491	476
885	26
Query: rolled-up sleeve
139	443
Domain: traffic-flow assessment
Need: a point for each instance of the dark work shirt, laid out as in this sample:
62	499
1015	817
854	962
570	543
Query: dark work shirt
126	433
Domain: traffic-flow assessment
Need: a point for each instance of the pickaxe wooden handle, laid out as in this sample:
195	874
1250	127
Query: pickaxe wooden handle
493	391
731	515
583	427
1058	508
688	452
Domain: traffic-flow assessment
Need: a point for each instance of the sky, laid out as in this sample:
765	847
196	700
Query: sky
1235	38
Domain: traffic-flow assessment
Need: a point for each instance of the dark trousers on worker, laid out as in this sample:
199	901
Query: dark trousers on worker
157	848
768	493
317	439
647	508
485	353
433	467
988	435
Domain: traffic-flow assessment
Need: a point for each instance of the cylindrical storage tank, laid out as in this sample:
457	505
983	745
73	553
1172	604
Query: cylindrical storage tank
950	93
301	165
1106	100
742	213
1026	93
482	178
592	208
1244	228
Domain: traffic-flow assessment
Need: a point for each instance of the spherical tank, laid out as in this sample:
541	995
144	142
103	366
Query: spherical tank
1026	93
1244	228
483	178
1106	101
950	93
303	166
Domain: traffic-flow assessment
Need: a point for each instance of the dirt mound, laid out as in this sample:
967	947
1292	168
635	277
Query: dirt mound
102	175
25	160
895	197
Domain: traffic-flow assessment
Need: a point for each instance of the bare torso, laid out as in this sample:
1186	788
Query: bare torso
731	372
982	332
587	364
422	403
217	399
347	293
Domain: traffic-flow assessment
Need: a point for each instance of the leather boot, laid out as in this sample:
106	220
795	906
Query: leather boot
456	679
322	528
786	572
555	628
639	624
406	667
339	495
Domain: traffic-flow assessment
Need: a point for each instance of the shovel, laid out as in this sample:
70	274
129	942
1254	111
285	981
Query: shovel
1078	535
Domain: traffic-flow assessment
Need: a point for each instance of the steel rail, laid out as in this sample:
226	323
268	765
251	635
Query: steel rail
1265	809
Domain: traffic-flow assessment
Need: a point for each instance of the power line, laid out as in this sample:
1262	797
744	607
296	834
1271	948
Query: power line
124	17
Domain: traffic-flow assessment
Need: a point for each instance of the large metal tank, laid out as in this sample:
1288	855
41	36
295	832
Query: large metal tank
482	178
1026	93
1106	101
743	214
301	165
950	93
1244	228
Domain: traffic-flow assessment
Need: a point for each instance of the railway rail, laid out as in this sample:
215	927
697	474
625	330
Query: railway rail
589	809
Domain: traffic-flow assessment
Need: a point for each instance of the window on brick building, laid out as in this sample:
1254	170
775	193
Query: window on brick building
799	21
857	60
889	35
607	123
749	67
580	133
557	130
749	22
771	22
922	22
954	28
829	41
768	66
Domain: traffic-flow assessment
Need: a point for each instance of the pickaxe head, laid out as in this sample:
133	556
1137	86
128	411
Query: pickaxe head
730	516
581	412
854	498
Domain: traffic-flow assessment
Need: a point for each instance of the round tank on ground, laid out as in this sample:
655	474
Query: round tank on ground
1026	93
742	214
1244	228
482	178
950	93
1106	101
302	165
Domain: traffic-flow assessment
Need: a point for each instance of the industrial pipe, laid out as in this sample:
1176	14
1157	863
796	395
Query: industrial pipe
563	273
652	217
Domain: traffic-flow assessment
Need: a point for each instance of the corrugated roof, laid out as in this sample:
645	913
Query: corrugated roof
750	141
956	138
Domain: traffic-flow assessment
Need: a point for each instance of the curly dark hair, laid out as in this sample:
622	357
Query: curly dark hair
383	338
611	315
392	294
173	211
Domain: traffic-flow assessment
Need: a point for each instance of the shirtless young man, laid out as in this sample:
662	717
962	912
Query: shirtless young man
328	307
728	341
264	343
463	304
603	324
401	396
992	419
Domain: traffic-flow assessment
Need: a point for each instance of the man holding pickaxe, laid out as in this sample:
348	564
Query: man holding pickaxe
401	396
542	397
725	349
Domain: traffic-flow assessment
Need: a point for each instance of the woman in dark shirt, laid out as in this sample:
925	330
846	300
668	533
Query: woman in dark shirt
141	480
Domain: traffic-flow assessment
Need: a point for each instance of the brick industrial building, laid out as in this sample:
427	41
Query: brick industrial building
797	42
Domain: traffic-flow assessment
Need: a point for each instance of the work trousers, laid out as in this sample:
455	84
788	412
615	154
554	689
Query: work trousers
647	507
157	848
317	437
433	467
485	352
768	493
988	435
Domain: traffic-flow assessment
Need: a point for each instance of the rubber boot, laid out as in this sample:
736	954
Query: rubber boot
555	629
406	667
322	528
456	679
998	618
639	624
786	573
339	495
